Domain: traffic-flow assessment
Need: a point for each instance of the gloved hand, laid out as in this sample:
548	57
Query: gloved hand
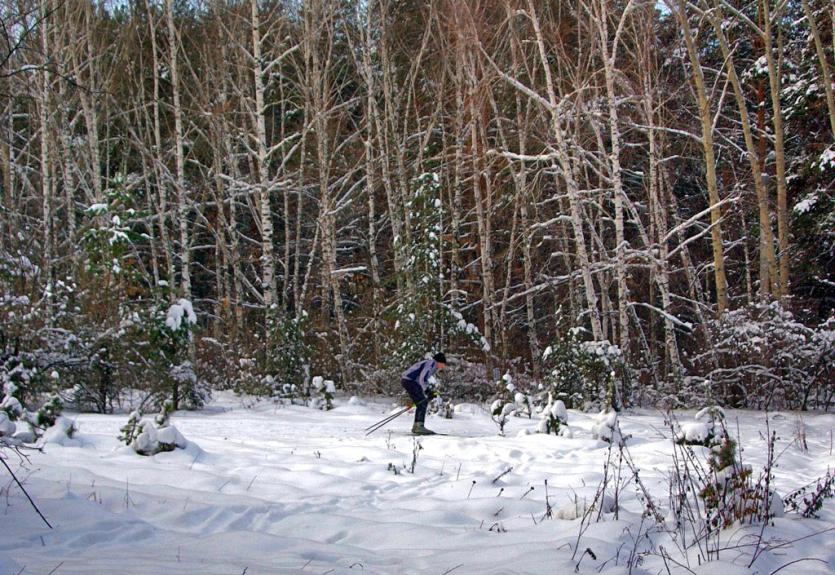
431	393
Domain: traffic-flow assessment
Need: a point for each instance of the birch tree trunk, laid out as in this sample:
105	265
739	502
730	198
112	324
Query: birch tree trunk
480	198
46	159
161	184
826	74
183	207
319	30
720	281
376	284
779	150
609	57
566	169
658	213
268	283
768	262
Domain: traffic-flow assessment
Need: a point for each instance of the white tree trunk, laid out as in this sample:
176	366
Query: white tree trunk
183	206
720	281
268	283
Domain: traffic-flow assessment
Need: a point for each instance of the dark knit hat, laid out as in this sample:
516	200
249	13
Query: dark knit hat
439	357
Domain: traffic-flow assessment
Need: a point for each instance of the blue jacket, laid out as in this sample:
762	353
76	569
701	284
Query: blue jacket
420	372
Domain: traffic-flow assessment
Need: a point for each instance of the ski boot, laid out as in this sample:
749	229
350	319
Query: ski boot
419	429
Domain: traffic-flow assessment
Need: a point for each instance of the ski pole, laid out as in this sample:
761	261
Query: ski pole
372	428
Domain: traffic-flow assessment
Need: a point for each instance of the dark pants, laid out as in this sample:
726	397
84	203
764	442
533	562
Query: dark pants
418	396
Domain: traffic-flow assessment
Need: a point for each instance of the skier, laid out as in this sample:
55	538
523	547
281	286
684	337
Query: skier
415	381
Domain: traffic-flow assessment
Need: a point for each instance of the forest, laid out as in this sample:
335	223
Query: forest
622	202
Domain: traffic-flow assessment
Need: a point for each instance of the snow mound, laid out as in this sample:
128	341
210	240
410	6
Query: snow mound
62	433
606	427
7	426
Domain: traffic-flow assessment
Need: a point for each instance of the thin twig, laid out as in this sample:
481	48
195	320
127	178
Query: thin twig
19	484
798	561
508	470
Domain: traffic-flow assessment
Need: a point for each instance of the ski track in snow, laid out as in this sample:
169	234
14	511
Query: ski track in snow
287	489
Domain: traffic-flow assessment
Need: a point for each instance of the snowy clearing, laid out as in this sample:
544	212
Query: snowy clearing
288	489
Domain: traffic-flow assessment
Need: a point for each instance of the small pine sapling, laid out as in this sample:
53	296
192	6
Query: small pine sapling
324	391
168	437
522	400
729	492
707	430
148	437
161	418
49	413
130	431
554	418
504	405
606	428
584	374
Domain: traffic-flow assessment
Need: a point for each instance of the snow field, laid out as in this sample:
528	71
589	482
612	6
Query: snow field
290	490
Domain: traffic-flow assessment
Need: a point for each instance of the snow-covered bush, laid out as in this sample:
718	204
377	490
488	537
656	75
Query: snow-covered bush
508	401
500	412
149	437
554	418
447	410
26	426
247	380
322	393
730	493
808	500
288	356
606	428
523	401
710	486
62	430
584	374
171	332
11	404
7	426
708	429
130	431
768	359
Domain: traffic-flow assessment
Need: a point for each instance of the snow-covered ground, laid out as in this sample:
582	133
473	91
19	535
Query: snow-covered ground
277	489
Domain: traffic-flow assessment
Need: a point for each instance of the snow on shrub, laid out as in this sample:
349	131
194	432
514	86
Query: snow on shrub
708	429
717	491
606	428
584	374
762	357
323	391
7	426
61	432
171	336
147	437
177	312
11	404
508	401
729	492
554	418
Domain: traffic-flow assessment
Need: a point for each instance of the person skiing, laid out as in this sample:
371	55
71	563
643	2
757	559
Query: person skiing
415	381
